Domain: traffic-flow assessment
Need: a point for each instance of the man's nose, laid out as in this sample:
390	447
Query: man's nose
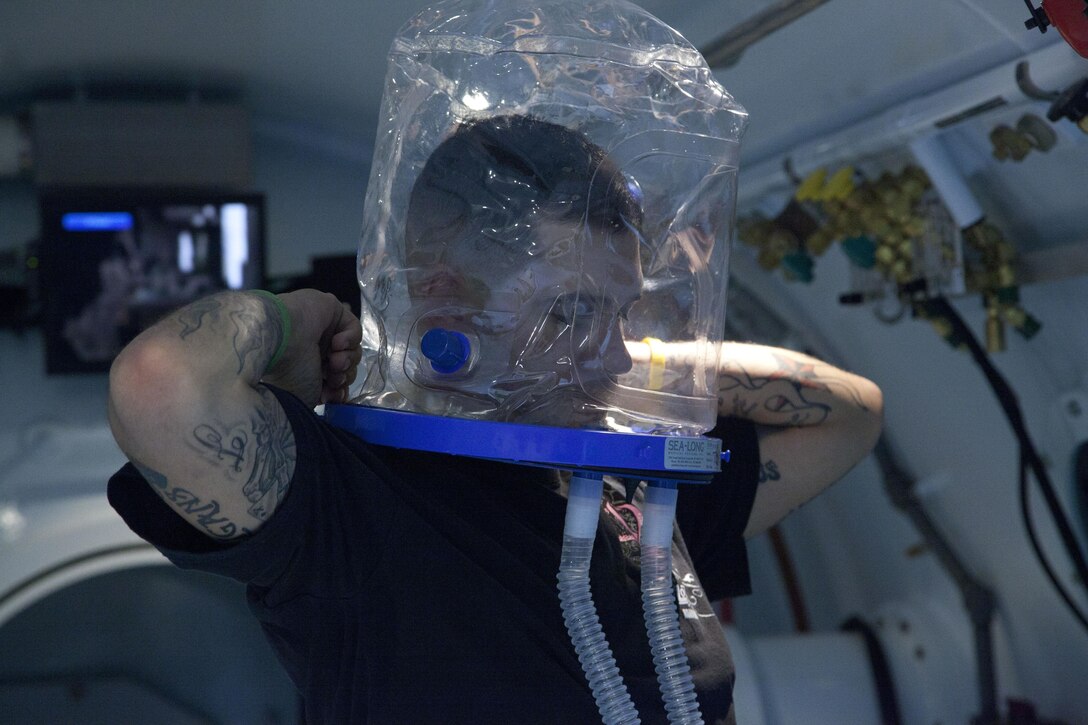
614	356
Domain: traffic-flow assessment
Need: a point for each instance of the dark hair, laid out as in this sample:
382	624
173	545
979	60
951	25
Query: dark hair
484	186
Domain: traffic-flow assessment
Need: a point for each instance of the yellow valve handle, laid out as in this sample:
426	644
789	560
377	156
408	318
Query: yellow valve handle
657	363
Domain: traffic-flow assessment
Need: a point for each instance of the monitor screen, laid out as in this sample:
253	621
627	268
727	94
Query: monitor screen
115	261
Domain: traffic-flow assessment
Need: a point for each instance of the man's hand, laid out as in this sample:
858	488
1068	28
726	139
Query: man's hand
322	354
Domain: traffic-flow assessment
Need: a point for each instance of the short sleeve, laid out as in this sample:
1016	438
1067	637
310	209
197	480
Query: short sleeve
712	517
305	533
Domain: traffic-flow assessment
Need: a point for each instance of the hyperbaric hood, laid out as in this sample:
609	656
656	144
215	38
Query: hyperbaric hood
548	218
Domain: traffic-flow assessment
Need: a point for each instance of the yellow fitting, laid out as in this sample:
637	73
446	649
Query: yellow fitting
995	331
657	363
841	184
809	189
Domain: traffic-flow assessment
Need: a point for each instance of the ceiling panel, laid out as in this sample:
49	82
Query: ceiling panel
313	72
849	59
325	61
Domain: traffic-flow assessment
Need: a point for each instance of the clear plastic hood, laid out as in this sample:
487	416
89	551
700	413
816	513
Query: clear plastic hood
549	214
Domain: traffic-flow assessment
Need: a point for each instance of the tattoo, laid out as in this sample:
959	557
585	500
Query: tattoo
786	393
211	439
207	515
768	471
252	334
741	407
274	458
192	317
264	446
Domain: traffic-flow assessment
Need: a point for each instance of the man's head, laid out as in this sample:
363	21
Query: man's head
530	224
516	240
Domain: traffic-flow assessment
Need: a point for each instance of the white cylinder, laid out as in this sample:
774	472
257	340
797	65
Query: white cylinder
659	510
931	153
583	507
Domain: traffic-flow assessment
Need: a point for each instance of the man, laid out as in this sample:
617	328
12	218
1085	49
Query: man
398	586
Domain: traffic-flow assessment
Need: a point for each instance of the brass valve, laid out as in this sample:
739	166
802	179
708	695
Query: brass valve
1031	133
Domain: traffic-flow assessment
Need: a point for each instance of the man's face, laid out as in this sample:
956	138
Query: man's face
518	240
565	348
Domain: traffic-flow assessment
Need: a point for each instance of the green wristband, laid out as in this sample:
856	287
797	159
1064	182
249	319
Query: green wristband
285	324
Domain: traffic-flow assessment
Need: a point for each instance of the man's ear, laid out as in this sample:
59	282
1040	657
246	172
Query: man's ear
434	281
443	282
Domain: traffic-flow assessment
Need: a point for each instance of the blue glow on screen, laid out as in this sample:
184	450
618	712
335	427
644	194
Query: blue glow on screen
97	221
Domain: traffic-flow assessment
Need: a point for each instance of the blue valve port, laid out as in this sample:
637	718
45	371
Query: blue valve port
448	350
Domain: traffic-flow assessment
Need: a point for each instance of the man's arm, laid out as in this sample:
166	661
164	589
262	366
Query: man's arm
187	407
814	421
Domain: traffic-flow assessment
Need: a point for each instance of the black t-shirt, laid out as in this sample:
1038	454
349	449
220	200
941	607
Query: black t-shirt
398	586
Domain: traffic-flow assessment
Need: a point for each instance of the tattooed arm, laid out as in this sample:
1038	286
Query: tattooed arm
187	407
814	422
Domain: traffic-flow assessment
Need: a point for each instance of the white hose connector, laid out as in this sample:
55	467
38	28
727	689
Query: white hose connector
659	606
579	613
932	154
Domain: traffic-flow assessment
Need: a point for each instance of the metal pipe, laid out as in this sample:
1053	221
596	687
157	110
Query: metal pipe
727	49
